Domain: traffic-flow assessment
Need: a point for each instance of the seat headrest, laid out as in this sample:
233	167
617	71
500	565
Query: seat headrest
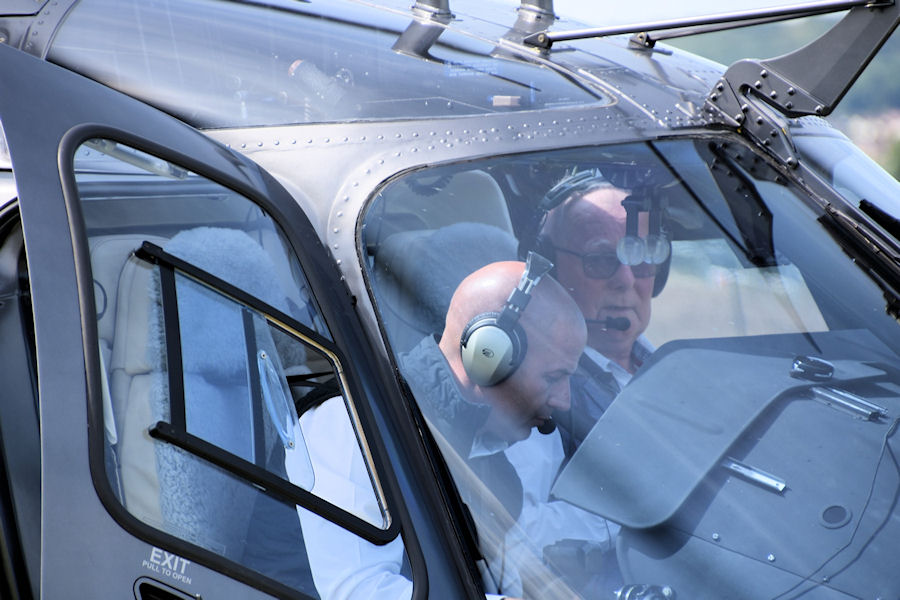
213	323
437	203
424	268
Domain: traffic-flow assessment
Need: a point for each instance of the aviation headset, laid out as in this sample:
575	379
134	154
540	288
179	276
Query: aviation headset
632	249
493	344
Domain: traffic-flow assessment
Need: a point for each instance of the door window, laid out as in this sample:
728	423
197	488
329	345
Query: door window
223	390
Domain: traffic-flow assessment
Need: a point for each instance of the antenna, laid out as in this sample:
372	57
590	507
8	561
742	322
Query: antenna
542	8
545	39
436	8
534	16
431	17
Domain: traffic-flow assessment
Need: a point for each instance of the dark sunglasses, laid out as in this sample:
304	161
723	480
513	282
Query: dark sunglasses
603	265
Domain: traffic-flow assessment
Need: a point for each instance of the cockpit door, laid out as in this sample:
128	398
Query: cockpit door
56	123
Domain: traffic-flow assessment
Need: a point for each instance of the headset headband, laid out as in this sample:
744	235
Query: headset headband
493	345
536	266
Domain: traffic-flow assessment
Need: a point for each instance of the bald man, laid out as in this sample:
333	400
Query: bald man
475	414
475	423
526	397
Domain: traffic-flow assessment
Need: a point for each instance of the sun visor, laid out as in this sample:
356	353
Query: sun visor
677	419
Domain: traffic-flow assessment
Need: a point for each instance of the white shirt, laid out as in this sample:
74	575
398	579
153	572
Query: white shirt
537	460
641	350
345	566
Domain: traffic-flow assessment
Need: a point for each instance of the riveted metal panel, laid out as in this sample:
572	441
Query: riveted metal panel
333	170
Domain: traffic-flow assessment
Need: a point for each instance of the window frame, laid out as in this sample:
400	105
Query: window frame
320	274
176	431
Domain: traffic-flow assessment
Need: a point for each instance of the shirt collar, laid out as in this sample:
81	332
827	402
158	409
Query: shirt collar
486	444
640	351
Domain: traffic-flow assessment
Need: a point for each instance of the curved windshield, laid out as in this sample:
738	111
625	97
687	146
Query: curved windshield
5	162
852	173
699	396
228	64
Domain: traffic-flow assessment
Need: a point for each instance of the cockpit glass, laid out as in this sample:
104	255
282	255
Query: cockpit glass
227	419
852	173
241	64
706	385
5	162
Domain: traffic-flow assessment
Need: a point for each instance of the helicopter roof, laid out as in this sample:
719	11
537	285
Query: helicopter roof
344	60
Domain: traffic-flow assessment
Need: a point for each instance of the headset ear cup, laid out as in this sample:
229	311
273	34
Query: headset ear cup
662	275
489	353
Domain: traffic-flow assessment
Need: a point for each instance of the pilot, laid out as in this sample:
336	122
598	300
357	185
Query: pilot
583	233
476	407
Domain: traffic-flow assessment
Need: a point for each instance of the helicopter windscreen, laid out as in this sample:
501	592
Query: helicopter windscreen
854	174
735	354
241	64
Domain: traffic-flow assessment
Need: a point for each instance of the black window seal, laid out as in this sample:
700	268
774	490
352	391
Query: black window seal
175	432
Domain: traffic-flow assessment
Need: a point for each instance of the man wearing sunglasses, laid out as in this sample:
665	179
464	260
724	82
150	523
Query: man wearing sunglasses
588	234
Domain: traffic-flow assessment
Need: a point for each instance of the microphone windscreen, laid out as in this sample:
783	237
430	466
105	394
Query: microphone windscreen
618	323
547	427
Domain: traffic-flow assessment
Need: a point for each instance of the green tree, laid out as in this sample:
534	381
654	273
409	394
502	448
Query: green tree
892	160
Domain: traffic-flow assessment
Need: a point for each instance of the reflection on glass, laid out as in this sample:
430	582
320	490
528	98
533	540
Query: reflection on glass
235	387
684	407
343	71
241	370
853	174
126	191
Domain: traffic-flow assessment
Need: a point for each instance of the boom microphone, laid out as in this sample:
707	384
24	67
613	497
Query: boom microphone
547	427
617	323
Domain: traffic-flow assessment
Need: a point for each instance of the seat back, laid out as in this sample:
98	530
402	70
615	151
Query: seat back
432	203
416	273
121	284
161	484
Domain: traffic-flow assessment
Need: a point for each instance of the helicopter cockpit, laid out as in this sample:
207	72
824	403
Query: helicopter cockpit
738	284
232	234
222	375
